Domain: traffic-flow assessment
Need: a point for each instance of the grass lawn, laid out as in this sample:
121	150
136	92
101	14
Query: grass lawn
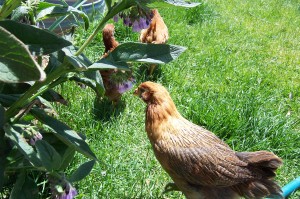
239	78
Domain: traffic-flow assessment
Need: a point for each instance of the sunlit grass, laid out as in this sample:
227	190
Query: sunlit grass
240	78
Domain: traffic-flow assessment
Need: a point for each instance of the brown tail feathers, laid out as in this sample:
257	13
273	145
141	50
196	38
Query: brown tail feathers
263	164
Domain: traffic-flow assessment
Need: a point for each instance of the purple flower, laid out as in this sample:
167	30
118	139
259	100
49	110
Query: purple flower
32	142
116	18
35	138
62	189
136	26
38	136
138	17
121	15
127	21
69	192
143	23
125	86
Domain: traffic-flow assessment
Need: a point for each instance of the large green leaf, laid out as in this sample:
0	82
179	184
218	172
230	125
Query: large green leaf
15	88
2	116
39	42
1	84
3	147
55	61
24	188
97	78
97	87
7	100
15	159
79	63
43	5
52	96
45	104
64	133
30	189
82	171
168	3
2	170
82	63
66	152
48	155
104	64
16	63
8	7
55	11
150	53
67	158
16	192
66	55
27	150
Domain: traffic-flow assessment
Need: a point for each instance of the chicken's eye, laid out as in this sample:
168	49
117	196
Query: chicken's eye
142	90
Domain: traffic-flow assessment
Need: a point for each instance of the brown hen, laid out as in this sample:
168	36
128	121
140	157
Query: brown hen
201	165
156	33
112	88
109	39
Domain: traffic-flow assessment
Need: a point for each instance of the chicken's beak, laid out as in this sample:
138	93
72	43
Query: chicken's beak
136	92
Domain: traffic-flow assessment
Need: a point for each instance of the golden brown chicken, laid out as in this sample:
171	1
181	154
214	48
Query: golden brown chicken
109	39
113	79
201	165
156	33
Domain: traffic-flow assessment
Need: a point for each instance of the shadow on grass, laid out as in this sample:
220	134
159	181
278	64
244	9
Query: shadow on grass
162	195
143	73
105	110
200	14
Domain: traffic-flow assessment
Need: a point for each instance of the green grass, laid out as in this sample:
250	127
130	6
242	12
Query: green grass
239	78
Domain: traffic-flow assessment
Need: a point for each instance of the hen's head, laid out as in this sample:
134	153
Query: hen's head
152	93
108	31
108	37
154	12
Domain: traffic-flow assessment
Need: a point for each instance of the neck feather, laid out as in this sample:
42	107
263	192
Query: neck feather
157	115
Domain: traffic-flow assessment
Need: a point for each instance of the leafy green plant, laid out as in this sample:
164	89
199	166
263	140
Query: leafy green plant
35	146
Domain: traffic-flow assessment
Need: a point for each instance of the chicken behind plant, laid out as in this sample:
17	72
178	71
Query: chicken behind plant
109	39
115	81
156	33
201	165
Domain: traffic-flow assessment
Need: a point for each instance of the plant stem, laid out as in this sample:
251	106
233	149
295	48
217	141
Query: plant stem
91	37
122	5
37	89
48	86
108	4
42	90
